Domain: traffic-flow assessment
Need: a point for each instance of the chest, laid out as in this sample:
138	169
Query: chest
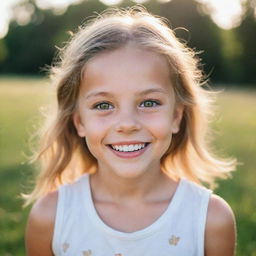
130	218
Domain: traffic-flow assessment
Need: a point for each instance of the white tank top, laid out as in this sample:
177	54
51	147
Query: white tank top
179	231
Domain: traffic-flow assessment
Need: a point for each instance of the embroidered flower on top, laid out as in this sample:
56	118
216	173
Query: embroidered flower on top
65	247
174	240
87	253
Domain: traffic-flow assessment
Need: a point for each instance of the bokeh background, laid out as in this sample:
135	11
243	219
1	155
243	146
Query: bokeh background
223	31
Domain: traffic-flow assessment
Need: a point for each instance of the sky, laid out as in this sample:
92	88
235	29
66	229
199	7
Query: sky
225	13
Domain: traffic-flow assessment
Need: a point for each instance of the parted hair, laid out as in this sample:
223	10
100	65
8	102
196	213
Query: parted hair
64	156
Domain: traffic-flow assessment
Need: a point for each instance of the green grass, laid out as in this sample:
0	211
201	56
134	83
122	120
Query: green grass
20	101
237	136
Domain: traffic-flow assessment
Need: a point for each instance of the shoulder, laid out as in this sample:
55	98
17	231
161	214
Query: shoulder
220	234
40	225
45	208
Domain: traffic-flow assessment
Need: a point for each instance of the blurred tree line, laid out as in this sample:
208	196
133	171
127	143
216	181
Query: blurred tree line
228	56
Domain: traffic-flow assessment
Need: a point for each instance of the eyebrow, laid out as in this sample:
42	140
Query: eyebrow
103	93
151	90
95	94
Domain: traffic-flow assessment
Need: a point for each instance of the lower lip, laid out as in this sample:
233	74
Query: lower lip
129	154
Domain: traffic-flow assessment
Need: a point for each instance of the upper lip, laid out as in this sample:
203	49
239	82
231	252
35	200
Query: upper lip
129	143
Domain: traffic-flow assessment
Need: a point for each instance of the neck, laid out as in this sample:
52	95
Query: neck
107	186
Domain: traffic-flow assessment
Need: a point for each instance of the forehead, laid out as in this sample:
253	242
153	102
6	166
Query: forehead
126	67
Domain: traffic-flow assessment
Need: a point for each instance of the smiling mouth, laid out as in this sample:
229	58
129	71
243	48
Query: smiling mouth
129	147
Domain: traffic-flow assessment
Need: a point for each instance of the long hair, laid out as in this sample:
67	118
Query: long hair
64	156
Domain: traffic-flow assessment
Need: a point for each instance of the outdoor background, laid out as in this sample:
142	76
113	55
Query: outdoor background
223	31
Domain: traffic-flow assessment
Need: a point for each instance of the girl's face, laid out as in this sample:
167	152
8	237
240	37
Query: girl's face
127	111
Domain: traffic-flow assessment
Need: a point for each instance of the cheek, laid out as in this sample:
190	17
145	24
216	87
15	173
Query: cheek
159	124
95	130
160	129
94	137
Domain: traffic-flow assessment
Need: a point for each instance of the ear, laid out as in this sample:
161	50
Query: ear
177	117
78	124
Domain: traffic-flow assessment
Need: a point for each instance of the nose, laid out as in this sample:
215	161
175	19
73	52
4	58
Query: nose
127	122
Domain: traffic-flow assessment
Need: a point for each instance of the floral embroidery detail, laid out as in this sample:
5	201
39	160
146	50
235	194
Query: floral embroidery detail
174	240
65	247
87	253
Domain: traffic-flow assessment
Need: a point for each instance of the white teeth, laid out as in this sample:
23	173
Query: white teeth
125	148
128	148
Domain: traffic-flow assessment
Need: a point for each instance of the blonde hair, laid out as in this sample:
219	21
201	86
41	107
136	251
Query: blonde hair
64	156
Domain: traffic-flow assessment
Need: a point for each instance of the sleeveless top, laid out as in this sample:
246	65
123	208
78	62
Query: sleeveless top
179	231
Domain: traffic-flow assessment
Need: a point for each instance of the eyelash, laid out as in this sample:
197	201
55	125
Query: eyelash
155	102
97	106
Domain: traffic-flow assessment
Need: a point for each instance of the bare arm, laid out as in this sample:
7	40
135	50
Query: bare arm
220	237
40	226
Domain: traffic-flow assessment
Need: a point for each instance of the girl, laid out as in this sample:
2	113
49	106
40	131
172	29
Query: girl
124	157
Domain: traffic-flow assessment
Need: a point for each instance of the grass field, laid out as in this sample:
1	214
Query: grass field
20	100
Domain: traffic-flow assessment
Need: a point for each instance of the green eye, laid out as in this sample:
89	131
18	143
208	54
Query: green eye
149	103
103	106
